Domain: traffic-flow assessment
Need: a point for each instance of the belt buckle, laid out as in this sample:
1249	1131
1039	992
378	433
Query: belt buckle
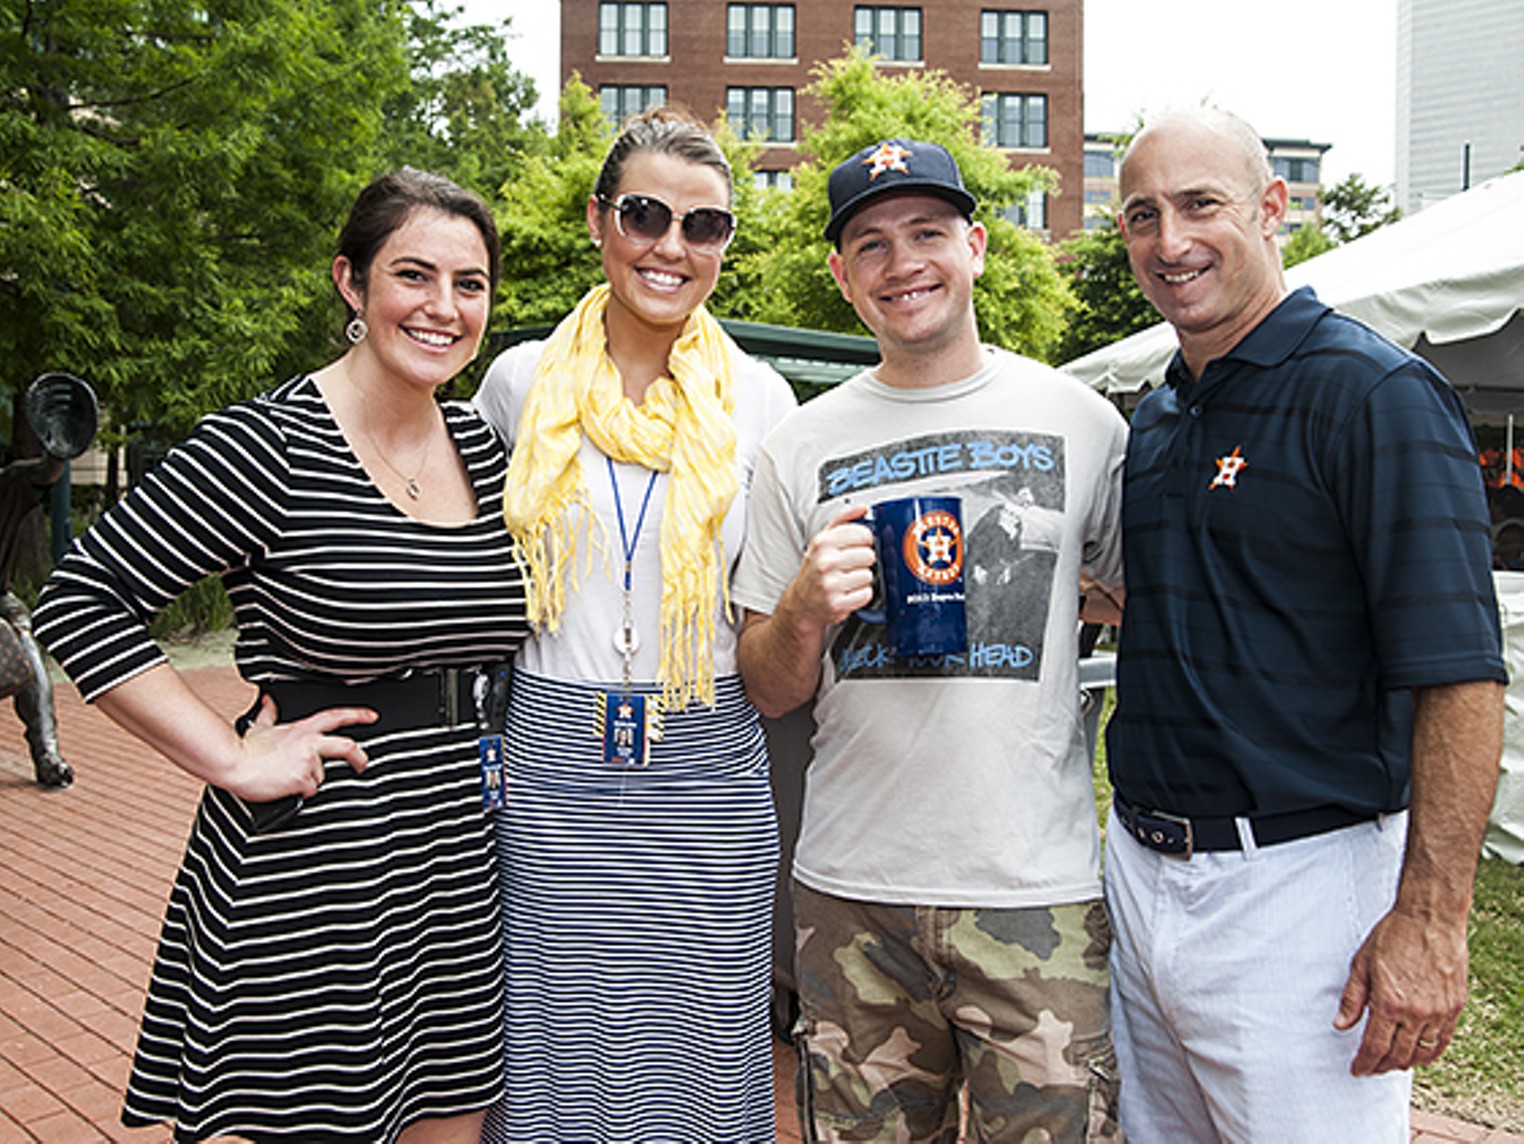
1169	834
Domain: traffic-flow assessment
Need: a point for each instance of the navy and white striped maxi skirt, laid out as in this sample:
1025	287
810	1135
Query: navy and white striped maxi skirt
637	926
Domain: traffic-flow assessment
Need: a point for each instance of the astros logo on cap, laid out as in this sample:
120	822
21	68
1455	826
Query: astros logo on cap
933	547
888	157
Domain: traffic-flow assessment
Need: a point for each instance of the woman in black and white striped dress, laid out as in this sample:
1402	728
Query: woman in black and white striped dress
330	964
638	849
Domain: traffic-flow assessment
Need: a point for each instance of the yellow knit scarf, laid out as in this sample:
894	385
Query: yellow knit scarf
683	427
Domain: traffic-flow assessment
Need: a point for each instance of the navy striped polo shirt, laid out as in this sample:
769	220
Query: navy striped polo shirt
1306	538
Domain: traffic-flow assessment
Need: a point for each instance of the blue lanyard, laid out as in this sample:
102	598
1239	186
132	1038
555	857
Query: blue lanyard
626	543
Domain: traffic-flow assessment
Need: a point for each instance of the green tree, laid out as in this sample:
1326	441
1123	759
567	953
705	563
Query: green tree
465	113
1108	305
171	178
758	211
1353	208
1307	242
1021	297
544	228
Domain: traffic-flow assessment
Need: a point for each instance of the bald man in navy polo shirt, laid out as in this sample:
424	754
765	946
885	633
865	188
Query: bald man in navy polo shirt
1310	686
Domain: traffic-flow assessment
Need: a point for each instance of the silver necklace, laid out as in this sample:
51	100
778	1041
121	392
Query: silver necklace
409	484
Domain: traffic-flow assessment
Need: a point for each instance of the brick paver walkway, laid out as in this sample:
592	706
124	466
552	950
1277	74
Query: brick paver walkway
83	877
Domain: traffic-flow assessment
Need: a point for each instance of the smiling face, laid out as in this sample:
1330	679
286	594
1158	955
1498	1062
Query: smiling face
425	299
907	263
659	284
1200	231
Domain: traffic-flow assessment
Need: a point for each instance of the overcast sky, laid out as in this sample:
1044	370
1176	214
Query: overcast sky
1324	72
1327	73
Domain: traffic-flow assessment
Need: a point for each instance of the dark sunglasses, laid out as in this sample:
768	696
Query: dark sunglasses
643	219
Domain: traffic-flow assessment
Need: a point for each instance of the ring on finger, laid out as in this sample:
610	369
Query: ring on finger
1430	1043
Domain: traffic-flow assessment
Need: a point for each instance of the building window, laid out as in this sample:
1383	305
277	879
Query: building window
1013	37
622	100
1295	170
893	33
1016	120
626	29
1100	165
1032	214
760	31
781	180
765	113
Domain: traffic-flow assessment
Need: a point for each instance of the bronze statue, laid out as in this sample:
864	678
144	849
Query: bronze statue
62	411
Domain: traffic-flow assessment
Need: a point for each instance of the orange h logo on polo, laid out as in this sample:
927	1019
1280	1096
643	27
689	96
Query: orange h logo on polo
1228	469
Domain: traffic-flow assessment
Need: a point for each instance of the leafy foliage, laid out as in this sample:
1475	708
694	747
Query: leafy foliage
1354	208
171	176
1351	209
544	228
758	212
1108	304
1308	242
465	112
1021	297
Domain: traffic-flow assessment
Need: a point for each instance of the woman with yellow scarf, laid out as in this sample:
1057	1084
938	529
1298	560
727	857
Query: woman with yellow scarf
637	846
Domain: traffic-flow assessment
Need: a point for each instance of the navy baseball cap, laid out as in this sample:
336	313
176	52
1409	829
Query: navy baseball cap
894	165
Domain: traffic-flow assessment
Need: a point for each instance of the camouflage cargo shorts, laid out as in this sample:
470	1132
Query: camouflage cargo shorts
901	1007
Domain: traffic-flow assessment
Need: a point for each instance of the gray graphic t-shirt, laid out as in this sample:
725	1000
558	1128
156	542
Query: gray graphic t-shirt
958	779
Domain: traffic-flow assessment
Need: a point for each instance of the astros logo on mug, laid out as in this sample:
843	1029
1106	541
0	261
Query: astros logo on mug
933	548
918	549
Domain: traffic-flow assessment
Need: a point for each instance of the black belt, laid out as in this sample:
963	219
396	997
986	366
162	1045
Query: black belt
1180	836
443	698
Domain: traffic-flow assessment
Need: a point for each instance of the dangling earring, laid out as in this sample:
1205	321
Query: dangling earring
356	330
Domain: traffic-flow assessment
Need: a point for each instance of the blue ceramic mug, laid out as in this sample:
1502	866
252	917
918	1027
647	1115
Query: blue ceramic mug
919	544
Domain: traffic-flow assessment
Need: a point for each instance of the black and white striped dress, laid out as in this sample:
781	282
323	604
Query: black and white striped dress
340	976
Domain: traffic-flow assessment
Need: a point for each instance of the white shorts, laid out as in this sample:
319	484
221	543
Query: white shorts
1226	972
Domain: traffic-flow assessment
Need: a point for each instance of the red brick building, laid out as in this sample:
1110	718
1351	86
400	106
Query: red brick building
1023	57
